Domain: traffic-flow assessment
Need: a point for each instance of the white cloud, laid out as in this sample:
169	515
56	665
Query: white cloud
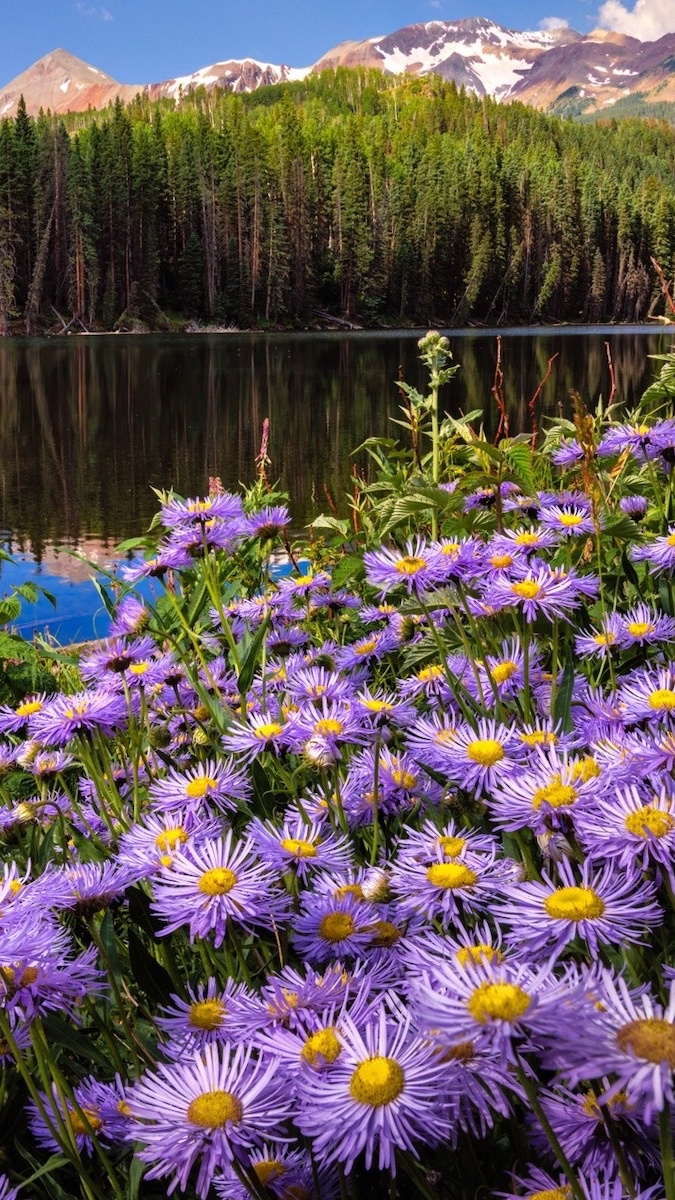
551	23
646	20
93	10
435	3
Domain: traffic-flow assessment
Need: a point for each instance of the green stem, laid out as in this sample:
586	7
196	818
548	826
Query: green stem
666	1141
531	1092
376	802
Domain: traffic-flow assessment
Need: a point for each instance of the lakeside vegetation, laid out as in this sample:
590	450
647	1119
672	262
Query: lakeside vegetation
358	882
351	195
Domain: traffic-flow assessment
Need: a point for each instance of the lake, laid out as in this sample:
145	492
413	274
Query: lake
89	425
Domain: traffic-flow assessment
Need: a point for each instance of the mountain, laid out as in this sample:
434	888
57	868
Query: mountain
556	70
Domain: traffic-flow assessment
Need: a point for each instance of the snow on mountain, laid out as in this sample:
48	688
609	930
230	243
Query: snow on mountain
544	68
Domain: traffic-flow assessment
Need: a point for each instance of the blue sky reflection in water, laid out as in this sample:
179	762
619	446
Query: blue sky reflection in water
89	425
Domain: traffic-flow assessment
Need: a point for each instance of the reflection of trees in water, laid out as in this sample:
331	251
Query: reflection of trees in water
87	426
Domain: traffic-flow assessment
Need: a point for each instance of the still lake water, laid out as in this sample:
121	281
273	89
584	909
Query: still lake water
89	425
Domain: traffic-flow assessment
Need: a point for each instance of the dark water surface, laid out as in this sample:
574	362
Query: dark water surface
89	424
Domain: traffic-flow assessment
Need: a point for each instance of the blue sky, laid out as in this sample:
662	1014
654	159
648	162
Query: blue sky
145	41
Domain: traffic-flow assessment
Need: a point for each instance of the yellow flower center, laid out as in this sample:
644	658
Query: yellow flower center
498	1002
349	889
556	794
649	821
385	934
640	628
377	705
526	539
139	668
217	882
500	561
604	639
671	540
206	1014
651	1038
322	1046
170	838
574	904
410	565
539	737
327	726
478	954
662	698
451	846
450	549
485	751
214	1109
428	673
587	769
267	730
503	671
336	926
377	1081
366	647
299	848
268	1170
77	1124
404	779
527	589
28	708
570	519
561	1193
451	876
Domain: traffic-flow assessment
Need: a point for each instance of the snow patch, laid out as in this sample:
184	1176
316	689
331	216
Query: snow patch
63	87
616	71
7	107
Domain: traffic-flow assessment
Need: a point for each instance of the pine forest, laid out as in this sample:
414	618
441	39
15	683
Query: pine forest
351	195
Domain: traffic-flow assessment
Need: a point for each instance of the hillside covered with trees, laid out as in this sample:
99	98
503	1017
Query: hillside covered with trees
353	194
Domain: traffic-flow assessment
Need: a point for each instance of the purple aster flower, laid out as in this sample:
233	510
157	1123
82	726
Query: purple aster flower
85	1115
285	1173
419	570
431	682
167	558
131	617
40	975
267	522
325	726
367	650
206	1112
152	844
211	783
539	1185
502	1008
634	506
88	887
648	695
317	683
567	454
550	789
628	1036
642	441
429	737
631	826
14	719
430	844
660	552
185	513
567	520
458	560
604	907
382	1094
579	1121
328	928
477	759
7	1192
211	1013
401	783
642	626
114	657
546	592
261	731
299	847
379	709
502	675
446	888
64	717
601	641
213	884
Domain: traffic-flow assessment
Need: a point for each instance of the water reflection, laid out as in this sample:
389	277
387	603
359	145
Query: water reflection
89	425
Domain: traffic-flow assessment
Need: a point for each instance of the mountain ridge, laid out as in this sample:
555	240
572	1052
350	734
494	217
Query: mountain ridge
547	69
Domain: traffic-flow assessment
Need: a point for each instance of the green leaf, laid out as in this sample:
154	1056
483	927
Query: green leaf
10	609
519	458
150	975
78	1043
331	523
14	646
107	599
562	712
28	591
350	568
53	1163
251	657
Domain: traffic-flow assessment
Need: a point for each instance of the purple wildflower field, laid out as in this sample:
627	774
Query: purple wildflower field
359	881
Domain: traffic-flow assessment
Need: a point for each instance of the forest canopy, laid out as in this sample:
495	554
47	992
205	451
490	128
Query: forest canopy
371	198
